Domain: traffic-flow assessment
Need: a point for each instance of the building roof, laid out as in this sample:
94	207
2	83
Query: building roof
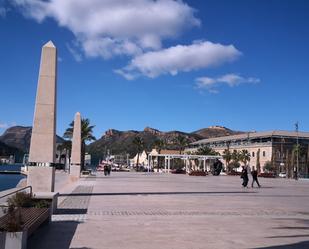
169	152
165	152
253	135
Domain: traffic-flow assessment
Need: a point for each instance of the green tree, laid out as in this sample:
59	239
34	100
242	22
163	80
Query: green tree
227	156
236	156
159	145
205	150
268	167
139	144
299	150
298	153
86	136
244	156
181	142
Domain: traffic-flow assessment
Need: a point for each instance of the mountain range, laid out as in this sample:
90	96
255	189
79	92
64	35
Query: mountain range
16	140
121	142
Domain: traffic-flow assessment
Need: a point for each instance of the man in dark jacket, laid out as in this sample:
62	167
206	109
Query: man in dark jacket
244	176
254	174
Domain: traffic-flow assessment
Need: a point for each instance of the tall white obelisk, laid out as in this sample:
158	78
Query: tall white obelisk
41	175
76	149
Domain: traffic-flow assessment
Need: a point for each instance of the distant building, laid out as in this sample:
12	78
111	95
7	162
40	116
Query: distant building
120	159
276	147
7	159
167	152
142	159
87	159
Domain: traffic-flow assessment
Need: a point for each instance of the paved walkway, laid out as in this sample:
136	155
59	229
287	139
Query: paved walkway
137	210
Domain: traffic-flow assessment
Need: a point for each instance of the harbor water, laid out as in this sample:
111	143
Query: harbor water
8	180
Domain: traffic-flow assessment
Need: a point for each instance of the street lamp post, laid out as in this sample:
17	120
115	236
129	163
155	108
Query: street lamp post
297	151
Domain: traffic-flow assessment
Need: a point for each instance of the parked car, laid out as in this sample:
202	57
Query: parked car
282	174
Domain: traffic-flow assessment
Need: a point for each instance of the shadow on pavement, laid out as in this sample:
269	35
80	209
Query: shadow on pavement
71	211
156	193
299	245
289	236
80	248
293	228
56	235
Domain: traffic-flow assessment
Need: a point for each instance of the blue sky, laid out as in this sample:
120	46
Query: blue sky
170	65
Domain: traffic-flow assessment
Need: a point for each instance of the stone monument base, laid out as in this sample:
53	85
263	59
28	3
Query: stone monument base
74	172
41	178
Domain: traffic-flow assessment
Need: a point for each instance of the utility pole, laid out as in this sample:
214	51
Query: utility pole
297	151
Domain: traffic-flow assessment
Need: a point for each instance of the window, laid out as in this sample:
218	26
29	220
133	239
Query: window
253	154
264	154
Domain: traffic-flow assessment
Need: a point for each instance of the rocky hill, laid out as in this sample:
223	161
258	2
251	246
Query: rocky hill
121	142
216	131
6	150
114	141
19	137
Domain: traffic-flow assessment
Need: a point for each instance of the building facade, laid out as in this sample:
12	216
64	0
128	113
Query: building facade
276	147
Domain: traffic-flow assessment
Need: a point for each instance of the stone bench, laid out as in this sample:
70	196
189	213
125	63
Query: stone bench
51	197
31	219
86	172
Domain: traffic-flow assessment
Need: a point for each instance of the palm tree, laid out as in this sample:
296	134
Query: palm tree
245	156
299	149
235	158
299	152
139	144
86	136
205	150
159	145
181	142
227	156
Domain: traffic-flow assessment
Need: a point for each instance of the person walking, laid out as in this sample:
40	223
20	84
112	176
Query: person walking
105	169
244	176
254	174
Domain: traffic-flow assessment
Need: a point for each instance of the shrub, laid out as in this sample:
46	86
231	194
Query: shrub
42	204
267	175
233	166
20	199
14	223
268	167
198	173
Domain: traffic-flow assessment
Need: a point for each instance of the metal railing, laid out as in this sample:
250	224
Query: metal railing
18	190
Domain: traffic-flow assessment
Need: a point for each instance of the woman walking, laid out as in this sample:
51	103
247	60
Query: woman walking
254	174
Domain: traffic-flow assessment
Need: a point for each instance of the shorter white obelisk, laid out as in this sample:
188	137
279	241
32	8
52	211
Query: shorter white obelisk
75	166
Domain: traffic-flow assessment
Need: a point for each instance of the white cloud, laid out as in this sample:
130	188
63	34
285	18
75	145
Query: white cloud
76	55
231	80
180	58
127	76
115	27
3	125
108	47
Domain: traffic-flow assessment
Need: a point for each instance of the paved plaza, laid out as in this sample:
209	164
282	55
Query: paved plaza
141	210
